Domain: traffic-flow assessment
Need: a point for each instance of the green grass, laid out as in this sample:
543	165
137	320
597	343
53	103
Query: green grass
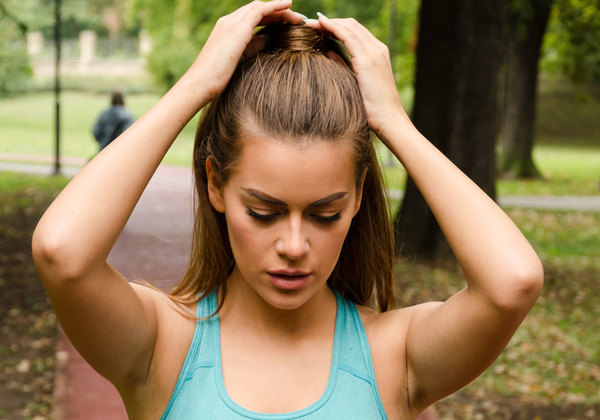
13	182
27	124
564	238
565	170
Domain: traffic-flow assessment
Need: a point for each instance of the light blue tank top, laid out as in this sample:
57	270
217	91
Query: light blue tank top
351	392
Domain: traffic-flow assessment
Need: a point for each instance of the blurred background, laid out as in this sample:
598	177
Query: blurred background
509	90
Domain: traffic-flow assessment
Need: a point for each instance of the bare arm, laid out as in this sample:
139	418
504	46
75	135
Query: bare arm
448	344
112	324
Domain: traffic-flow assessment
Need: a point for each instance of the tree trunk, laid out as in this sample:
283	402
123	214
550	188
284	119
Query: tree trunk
459	57
518	125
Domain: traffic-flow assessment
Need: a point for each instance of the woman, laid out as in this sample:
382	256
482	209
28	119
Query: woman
291	242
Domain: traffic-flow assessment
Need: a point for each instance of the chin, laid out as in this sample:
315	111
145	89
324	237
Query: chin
289	300
286	301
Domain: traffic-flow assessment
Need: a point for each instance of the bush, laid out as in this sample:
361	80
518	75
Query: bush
168	63
14	63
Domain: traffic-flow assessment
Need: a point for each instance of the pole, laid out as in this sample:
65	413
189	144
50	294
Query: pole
57	39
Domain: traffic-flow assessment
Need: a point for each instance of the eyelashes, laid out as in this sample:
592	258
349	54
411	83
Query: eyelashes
268	218
262	218
328	219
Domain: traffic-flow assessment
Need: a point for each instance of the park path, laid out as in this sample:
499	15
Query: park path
154	246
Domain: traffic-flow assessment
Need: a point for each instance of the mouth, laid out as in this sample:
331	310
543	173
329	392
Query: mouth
288	279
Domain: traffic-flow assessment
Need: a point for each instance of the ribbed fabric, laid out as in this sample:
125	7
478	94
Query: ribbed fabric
351	392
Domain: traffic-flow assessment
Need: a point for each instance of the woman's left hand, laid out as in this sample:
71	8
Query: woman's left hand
371	63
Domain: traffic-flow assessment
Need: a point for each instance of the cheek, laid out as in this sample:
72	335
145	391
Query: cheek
246	241
327	244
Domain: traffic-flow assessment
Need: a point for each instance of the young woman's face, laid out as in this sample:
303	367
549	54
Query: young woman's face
288	210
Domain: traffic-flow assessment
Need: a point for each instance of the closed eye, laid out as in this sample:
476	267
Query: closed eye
327	219
260	217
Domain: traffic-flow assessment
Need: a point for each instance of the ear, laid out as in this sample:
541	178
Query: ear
214	186
359	192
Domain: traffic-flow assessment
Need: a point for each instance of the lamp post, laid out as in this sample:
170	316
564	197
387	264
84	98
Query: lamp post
57	38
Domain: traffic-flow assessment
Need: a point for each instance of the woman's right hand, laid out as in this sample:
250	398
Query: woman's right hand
232	39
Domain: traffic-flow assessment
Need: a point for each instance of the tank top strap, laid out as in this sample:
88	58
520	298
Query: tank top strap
355	352
200	353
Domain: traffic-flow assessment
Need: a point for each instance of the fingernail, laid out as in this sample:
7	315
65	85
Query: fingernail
304	18
311	21
322	16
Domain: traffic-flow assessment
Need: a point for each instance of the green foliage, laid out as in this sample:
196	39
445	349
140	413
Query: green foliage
572	43
76	16
187	24
14	63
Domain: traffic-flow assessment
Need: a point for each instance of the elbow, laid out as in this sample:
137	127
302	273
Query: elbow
530	282
53	258
523	287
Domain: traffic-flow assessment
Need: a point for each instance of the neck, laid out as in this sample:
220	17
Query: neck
244	306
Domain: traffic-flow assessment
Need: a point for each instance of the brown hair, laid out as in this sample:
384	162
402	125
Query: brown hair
292	90
117	97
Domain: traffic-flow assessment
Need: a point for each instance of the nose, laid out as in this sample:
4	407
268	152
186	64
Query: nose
293	243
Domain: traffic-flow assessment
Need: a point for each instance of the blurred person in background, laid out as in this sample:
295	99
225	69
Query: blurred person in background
112	121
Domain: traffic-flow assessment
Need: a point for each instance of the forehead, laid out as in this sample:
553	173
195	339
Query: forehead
305	171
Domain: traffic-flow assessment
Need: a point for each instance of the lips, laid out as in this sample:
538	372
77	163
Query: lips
287	279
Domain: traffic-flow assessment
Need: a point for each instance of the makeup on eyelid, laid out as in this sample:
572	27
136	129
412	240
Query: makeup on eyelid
270	217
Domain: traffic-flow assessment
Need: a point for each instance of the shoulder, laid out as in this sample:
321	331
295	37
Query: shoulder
393	322
387	334
175	330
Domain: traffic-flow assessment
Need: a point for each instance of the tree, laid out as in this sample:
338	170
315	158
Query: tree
459	57
178	29
187	24
527	25
575	39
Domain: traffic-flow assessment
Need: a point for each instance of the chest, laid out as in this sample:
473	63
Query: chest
243	374
275	377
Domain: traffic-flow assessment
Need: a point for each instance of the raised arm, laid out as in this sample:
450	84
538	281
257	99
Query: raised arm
111	323
448	344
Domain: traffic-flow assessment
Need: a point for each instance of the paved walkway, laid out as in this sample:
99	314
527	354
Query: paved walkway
159	255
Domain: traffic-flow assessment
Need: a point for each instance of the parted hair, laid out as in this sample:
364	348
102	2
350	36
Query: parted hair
293	90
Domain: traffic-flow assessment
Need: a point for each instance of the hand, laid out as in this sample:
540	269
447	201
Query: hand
233	38
371	63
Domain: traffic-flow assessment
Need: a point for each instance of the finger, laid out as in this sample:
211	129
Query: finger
315	24
356	38
284	15
258	10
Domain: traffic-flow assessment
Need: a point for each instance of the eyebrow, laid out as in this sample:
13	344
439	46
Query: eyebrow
264	197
